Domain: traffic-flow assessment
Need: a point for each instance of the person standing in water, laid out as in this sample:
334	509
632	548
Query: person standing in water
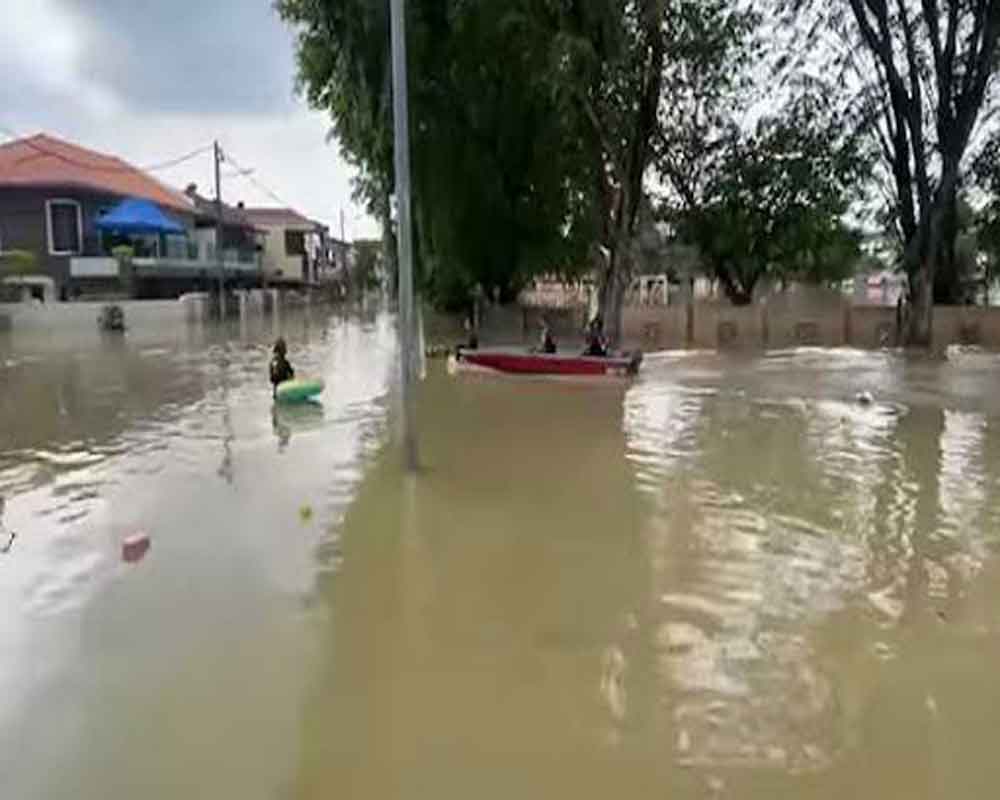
280	368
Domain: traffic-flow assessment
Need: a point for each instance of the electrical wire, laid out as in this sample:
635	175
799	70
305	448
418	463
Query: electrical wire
247	173
121	167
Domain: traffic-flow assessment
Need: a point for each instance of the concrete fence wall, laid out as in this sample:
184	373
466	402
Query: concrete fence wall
717	326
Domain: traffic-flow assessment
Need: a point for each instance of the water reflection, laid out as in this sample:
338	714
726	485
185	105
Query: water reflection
726	579
287	419
133	679
481	615
795	531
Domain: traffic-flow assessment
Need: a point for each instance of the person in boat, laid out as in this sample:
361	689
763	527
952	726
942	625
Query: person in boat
281	369
597	345
547	343
472	341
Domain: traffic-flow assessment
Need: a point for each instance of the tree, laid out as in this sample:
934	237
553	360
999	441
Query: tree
709	85
364	272
771	204
986	171
342	50
919	77
491	169
607	63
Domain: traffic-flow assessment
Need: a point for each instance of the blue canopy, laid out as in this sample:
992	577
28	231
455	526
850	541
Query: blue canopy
139	216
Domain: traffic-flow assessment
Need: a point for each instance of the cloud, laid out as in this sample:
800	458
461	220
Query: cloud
42	46
149	81
222	56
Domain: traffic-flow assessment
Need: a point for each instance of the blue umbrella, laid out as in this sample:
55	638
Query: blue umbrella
138	216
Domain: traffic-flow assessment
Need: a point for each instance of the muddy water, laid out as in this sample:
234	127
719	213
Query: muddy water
726	579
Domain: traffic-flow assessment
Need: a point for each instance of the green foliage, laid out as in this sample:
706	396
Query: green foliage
916	75
364	272
17	262
492	173
772	202
708	90
986	170
535	124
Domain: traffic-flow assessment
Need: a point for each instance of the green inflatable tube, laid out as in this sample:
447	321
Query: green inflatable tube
298	389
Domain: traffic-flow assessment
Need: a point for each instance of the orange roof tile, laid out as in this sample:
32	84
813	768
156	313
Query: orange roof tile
43	160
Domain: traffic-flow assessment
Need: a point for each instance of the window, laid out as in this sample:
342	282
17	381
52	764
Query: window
295	243
65	227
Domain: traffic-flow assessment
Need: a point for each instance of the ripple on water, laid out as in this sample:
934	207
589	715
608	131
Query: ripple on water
661	424
67	578
750	557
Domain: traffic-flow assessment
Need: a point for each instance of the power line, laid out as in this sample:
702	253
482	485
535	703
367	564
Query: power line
247	173
179	160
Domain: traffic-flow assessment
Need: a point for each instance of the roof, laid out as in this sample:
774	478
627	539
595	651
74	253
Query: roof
43	160
205	208
286	217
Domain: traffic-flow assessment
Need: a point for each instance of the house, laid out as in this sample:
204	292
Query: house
294	250
53	195
242	241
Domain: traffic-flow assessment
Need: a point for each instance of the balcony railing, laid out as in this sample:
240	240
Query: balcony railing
234	262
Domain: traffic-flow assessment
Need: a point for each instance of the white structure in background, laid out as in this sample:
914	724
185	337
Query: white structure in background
883	288
551	292
649	290
293	245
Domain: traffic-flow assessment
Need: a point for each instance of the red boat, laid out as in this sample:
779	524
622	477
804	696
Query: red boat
520	362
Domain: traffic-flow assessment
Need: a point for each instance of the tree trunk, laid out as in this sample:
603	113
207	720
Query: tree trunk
616	302
921	260
389	247
949	288
738	294
615	278
921	308
607	298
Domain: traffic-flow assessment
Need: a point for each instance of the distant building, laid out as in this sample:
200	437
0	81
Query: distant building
242	241
53	195
293	251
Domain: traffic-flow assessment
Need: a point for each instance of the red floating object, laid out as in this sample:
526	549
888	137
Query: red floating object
134	548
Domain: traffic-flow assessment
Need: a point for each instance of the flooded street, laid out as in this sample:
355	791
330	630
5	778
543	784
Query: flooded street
727	579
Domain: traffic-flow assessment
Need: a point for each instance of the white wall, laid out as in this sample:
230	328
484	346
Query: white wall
274	257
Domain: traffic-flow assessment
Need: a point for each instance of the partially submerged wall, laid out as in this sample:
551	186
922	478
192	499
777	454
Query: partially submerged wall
799	322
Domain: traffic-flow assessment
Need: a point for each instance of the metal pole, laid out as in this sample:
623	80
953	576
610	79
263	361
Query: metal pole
401	139
218	231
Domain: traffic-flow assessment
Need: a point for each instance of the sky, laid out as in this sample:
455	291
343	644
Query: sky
151	81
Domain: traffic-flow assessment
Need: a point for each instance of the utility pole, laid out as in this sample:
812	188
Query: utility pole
401	148
218	231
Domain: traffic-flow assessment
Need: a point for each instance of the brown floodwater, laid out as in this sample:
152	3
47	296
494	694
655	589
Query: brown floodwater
726	579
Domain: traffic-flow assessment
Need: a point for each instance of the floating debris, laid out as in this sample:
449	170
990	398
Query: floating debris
305	513
864	398
134	548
